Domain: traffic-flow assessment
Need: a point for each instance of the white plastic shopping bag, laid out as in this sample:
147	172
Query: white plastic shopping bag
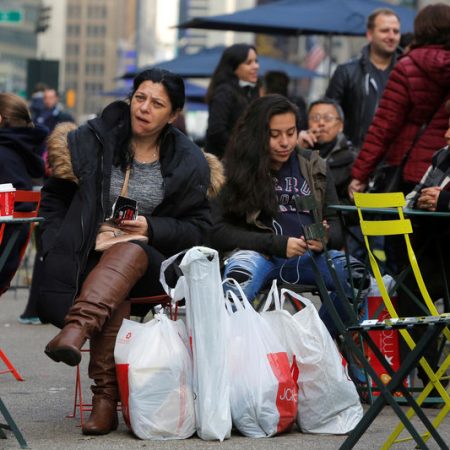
160	397
201	286
263	391
328	402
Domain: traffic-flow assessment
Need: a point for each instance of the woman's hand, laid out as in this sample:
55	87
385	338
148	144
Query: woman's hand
306	139
138	226
296	247
428	198
315	245
355	186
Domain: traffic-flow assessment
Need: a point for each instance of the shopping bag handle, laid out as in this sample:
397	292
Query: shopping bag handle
306	301
178	292
273	297
243	302
230	295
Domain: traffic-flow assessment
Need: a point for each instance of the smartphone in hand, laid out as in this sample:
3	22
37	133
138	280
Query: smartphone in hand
124	209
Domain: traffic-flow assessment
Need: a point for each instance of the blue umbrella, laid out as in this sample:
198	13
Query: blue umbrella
203	63
193	92
296	17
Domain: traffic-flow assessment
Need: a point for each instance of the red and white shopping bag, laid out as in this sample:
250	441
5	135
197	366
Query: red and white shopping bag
328	402
263	392
155	379
386	340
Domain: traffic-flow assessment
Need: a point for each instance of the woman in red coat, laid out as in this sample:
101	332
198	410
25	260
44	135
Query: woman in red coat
413	99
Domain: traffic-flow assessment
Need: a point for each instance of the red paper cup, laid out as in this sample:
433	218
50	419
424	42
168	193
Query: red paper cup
7	195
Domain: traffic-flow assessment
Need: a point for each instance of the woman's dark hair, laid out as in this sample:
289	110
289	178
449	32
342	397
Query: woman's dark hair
14	111
172	82
249	187
432	26
229	62
276	82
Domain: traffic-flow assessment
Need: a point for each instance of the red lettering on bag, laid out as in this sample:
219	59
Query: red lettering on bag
287	395
387	341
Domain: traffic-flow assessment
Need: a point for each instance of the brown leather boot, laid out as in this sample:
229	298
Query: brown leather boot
102	370
105	288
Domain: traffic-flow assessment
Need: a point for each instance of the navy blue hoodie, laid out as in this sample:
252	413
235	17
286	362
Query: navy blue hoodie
19	163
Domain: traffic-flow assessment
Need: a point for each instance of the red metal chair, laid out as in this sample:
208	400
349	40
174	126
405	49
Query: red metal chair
78	403
34	199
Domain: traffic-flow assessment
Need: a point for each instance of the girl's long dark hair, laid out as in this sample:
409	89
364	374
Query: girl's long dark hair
249	187
231	58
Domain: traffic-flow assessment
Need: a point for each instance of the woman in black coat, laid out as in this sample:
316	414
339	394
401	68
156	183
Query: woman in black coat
20	142
168	177
233	86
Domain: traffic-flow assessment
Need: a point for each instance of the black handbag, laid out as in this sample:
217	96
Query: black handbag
387	178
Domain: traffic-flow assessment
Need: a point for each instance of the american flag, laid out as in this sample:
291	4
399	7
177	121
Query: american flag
315	53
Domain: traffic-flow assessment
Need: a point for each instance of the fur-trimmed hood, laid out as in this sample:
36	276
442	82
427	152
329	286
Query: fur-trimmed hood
61	164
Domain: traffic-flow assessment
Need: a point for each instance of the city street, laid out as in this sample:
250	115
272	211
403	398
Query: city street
40	403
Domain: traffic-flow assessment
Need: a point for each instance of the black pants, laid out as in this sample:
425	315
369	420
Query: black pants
427	235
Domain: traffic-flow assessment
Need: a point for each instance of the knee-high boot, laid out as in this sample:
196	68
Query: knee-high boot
102	371
105	288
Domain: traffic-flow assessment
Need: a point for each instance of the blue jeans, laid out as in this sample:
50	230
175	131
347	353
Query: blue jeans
253	271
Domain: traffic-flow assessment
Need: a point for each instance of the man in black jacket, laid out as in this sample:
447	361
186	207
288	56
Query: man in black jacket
358	84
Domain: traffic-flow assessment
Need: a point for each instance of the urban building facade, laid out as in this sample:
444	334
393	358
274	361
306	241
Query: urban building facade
18	42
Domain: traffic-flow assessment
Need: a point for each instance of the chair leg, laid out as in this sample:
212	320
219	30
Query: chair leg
78	402
11	425
386	397
10	367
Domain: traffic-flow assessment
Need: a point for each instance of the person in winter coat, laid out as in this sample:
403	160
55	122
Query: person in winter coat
234	84
52	113
325	129
358	84
411	114
256	221
168	177
20	162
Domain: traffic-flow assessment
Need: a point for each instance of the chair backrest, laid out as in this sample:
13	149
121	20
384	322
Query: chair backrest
374	226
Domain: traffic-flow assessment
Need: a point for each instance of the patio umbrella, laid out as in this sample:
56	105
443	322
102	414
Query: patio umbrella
203	63
193	91
298	17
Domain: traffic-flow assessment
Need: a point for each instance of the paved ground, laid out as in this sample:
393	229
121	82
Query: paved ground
41	403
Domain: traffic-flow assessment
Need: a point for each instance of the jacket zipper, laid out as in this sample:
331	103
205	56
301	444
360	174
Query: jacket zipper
84	255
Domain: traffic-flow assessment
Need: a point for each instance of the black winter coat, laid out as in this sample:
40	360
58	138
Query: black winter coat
350	86
19	164
340	160
225	107
72	203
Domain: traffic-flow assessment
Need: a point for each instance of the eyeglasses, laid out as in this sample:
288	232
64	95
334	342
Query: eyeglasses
327	118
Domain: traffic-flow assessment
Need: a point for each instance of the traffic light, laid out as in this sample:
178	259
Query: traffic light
43	19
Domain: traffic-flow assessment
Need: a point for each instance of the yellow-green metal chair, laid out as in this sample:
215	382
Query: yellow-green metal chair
401	226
